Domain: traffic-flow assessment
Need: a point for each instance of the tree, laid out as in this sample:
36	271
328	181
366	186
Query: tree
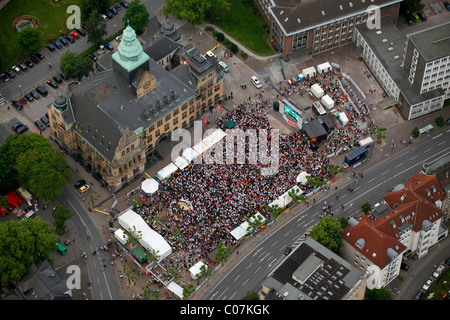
378	294
87	6
440	122
195	11
23	243
295	196
67	63
275	210
379	133
61	214
412	6
221	253
251	295
83	66
328	232
366	207
415	132
93	197
95	29
136	16
29	40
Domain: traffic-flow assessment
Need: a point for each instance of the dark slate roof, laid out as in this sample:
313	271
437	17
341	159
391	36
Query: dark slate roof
314	129
161	47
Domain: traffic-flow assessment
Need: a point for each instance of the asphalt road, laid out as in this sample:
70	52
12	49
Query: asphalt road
251	270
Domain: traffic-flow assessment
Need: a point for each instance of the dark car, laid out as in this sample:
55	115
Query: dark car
418	295
81	32
409	21
70	38
63	41
63	75
17	126
17	104
39	55
113	10
287	250
123	4
22	129
40	126
34	59
42	91
109	47
447	262
45	121
34	94
447	5
80	183
28	63
118	7
50	47
10	73
4	77
93	57
422	16
57	44
52	84
404	266
108	14
57	79
28	97
22	66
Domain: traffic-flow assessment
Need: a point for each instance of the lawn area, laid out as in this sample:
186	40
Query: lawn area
241	24
52	17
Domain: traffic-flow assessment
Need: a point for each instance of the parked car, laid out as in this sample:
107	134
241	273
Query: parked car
22	129
57	79
16	69
287	250
10	73
80	183
34	59
123	4
409	21
108	14
109	47
17	126
40	126
422	16
104	17
17	104
57	44
34	94
224	66
447	262
438	271
52	84
427	284
70	38
404	266
75	35
81	32
4	77
63	75
50	47
93	57
84	188
45	121
23	101
39	55
418	295
42	91
28	63
22	66
119	39
415	17
63	41
256	82
28	97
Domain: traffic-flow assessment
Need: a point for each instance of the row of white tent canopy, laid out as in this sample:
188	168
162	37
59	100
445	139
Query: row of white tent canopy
151	240
190	154
311	71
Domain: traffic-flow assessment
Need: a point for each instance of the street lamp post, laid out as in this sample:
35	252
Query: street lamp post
20	88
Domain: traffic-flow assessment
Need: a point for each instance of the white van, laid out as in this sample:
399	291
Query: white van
31	214
210	54
223	66
256	82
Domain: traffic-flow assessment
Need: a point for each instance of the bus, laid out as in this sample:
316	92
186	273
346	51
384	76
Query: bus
61	249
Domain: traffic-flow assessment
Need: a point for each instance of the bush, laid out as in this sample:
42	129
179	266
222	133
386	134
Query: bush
234	48
244	55
415	132
440	122
226	42
220	36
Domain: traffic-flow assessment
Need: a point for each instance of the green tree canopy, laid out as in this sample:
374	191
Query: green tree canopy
23	243
195	11
440	122
137	16
366	207
29	40
87	6
95	29
378	294
74	65
328	232
61	214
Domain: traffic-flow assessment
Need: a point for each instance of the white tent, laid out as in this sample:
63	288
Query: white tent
196	269
181	162
176	289
277	202
210	140
150	186
219	134
301	178
190	154
148	238
327	102
309	72
121	236
343	118
200	147
238	232
167	171
366	142
324	67
317	90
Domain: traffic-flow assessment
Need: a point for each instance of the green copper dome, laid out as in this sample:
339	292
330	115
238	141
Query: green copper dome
129	53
